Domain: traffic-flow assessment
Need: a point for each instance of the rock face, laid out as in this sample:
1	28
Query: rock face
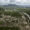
16	22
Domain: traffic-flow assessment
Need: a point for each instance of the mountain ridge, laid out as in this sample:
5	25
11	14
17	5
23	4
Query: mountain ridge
18	6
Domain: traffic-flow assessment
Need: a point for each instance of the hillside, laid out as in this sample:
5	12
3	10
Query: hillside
17	20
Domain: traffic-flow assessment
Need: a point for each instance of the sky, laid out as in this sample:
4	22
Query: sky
17	2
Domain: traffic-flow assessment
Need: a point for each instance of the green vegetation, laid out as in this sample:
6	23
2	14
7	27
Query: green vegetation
9	28
7	13
13	14
1	22
28	12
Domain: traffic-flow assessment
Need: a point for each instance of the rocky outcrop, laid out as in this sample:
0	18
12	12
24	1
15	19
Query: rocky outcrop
16	22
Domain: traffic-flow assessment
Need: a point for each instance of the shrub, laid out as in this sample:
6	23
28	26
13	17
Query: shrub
2	9
7	13
9	28
28	12
1	22
16	14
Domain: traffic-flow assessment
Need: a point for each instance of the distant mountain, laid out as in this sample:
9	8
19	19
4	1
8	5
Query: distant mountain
9	5
13	5
17	6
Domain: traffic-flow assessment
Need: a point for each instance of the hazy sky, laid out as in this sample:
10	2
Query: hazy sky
18	2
